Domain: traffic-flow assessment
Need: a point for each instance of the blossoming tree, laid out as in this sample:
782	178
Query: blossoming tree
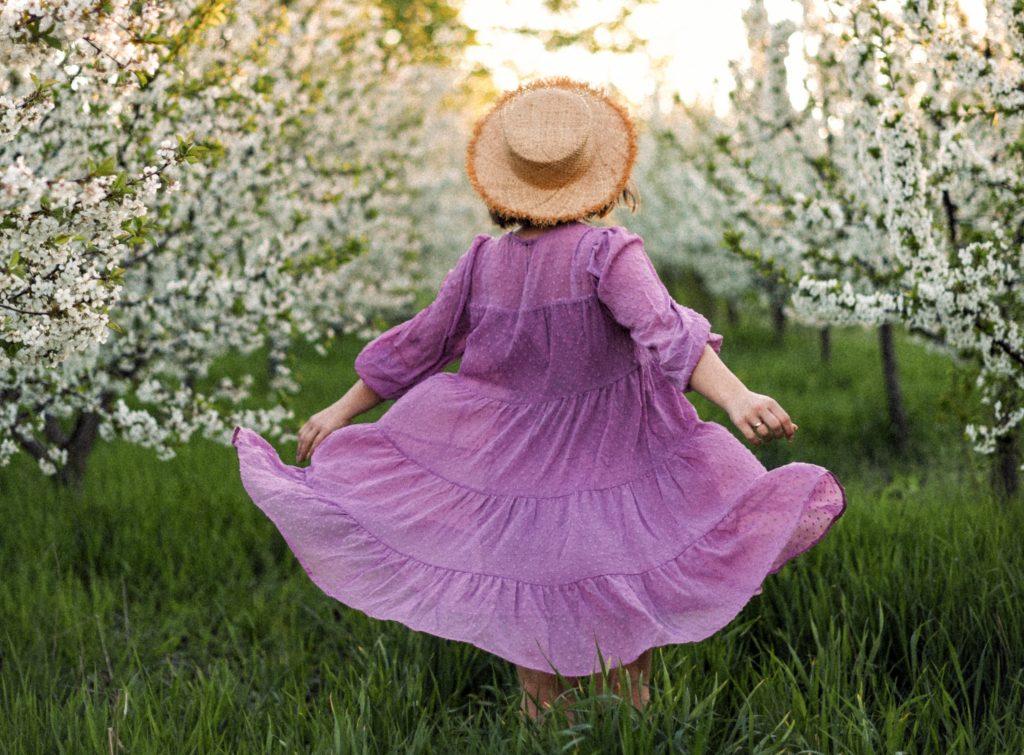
681	216
180	181
771	161
901	199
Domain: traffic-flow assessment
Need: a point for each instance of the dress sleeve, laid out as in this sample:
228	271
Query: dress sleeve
413	350
630	288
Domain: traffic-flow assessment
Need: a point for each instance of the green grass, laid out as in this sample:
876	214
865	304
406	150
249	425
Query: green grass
160	611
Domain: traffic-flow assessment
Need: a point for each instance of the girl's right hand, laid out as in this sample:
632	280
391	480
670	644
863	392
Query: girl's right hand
760	418
318	427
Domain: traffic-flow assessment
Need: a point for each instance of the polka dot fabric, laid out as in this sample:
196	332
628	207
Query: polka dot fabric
558	495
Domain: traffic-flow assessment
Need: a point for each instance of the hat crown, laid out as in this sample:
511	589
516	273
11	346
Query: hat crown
553	150
546	126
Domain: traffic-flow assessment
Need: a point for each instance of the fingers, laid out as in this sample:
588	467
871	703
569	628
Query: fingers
779	421
745	425
749	433
776	423
309	438
767	421
313	433
761	429
303	451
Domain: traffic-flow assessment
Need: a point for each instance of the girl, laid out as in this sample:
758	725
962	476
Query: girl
557	501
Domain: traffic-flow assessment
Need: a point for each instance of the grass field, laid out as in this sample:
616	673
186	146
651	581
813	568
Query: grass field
161	612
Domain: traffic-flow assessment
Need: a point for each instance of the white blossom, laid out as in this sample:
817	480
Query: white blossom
283	132
896	195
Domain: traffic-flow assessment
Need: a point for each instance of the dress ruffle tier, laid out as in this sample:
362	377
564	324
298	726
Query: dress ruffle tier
537	509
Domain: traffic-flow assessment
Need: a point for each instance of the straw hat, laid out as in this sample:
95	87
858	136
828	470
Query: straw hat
552	150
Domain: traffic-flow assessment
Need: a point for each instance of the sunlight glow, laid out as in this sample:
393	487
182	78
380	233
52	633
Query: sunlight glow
689	46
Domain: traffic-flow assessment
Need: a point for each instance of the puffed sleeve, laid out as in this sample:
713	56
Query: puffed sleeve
413	350
629	286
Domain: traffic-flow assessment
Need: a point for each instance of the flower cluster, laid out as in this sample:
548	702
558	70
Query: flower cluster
681	217
70	69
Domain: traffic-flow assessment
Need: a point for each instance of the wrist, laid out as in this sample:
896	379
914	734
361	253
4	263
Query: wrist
342	410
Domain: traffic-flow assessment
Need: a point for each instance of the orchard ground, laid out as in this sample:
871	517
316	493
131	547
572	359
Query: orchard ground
160	611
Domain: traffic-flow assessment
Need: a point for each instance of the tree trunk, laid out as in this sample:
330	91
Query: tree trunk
825	335
1006	470
272	364
778	321
732	314
899	426
79	446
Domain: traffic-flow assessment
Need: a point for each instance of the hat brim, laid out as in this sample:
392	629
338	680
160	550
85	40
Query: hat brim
613	153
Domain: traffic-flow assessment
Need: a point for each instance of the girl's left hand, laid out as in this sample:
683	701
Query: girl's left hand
760	418
318	427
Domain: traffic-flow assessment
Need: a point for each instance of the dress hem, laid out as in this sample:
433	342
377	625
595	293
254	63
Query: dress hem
656	633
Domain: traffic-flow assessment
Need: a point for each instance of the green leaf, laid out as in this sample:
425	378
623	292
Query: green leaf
264	84
11	347
105	167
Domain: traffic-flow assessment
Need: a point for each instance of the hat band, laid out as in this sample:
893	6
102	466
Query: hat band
554	174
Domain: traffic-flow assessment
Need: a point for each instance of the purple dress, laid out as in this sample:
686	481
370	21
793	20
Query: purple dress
556	496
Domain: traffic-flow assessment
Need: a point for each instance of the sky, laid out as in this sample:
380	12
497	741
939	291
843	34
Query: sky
694	39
